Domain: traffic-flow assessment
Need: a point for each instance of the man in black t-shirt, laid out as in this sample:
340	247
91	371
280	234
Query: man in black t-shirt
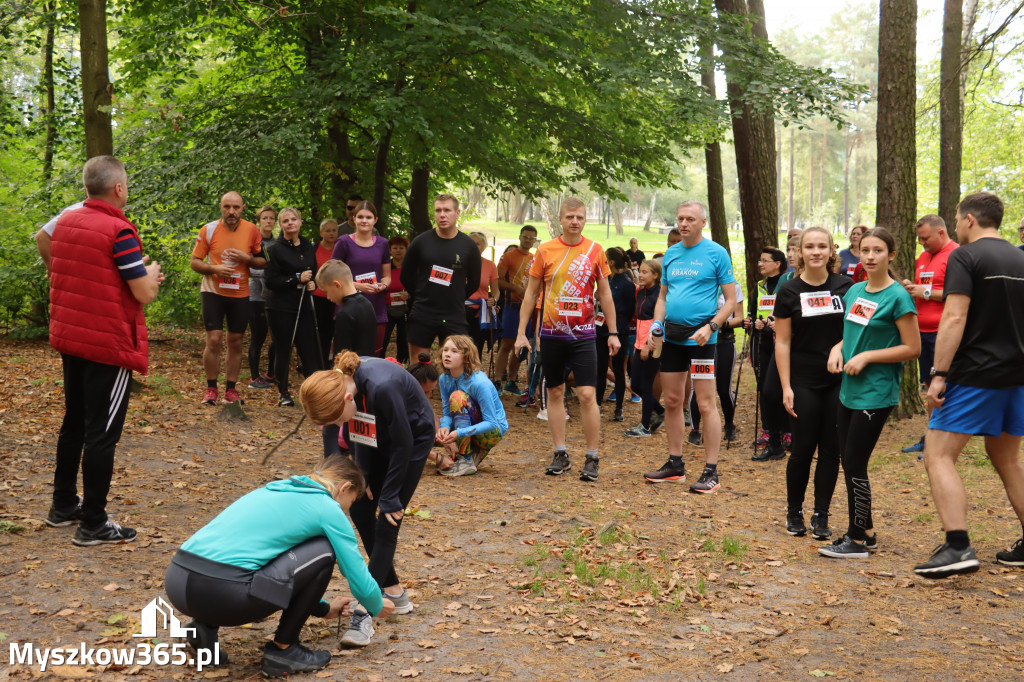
977	383
441	269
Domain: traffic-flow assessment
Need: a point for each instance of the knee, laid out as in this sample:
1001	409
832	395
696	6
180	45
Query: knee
587	395
235	341
213	340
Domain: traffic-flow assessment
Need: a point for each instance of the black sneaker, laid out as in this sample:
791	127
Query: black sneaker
1013	556
694	438
871	543
769	453
589	472
657	419
707	483
730	433
795	523
947	561
295	659
821	531
286	401
109	533
559	464
204	637
845	548
618	416
668	473
64	517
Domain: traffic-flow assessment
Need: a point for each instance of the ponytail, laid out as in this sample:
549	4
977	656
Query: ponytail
323	393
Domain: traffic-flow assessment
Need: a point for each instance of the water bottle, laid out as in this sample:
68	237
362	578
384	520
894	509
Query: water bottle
658	334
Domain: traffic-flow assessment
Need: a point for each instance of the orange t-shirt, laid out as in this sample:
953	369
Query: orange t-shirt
516	265
569	274
214	238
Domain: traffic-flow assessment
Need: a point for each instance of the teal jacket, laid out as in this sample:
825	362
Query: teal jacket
270	520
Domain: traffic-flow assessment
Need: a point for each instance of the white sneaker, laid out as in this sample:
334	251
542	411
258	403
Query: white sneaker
543	414
403	604
360	629
463	466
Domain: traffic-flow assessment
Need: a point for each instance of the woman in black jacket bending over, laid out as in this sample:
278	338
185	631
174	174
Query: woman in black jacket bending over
291	265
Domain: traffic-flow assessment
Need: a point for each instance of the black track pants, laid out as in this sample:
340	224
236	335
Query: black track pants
814	429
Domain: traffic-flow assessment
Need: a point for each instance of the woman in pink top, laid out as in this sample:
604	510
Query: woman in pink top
324	308
482	320
397	300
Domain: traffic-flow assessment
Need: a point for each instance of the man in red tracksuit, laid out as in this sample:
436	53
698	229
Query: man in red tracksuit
99	282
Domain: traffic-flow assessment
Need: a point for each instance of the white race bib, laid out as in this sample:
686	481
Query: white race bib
925	277
851	268
442	276
814	303
570	306
599	319
766	303
395	299
362	428
367	278
702	369
861	311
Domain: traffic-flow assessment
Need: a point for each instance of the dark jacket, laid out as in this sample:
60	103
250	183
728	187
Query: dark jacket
285	263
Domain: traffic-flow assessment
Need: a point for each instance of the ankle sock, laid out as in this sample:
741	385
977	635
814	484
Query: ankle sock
592	454
958	539
713	468
228	385
560	448
676	461
211	383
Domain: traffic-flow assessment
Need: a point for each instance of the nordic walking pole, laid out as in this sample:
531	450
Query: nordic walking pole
295	330
739	373
757	384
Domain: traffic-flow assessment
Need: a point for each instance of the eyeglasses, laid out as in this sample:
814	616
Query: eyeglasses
350	208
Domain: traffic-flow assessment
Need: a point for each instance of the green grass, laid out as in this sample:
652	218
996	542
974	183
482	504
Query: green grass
11	527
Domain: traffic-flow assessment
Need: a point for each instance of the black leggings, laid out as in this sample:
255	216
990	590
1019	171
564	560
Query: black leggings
644	372
725	359
226	601
618	363
258	328
325	324
282	325
397	323
858	434
814	428
773	415
380	538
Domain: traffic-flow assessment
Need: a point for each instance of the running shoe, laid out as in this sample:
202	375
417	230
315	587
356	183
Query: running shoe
639	431
707	483
270	379
617	417
526	401
947	561
360	629
260	383
231	396
403	603
762	438
559	464
285	401
871	543
279	662
636	399
109	533
769	453
210	397
1013	556
668	473
513	388
795	523
730	433
64	517
787	441
686	417
542	415
916	447
845	548
821	531
589	472
463	466
694	438
657	420
611	397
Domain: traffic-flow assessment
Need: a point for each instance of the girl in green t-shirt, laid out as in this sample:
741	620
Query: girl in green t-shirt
879	334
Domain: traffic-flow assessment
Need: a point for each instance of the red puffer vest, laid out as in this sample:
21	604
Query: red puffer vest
93	314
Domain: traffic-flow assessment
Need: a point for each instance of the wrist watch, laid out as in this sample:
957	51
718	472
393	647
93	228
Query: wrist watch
713	325
939	373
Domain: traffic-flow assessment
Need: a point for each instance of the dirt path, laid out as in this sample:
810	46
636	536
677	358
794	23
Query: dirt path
516	574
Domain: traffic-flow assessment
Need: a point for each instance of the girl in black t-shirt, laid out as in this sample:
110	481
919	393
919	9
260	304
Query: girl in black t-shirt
809	315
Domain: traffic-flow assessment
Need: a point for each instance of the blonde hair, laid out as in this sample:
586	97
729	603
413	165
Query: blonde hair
833	256
333	269
655	269
570	204
470	356
323	393
335	469
447	197
327	221
289	209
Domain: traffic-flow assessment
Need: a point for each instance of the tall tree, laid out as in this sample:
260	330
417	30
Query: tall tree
96	86
950	110
50	21
897	163
713	155
753	130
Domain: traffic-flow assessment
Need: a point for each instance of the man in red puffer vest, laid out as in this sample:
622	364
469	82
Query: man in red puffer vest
99	281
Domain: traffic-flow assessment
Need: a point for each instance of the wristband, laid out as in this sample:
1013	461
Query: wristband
613	333
657	325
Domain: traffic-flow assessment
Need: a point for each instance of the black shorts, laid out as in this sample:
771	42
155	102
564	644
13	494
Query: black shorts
422	334
676	358
927	356
216	308
559	355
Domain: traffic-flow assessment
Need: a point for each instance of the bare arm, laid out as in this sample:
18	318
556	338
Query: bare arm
43	244
908	348
951	332
604	294
528	304
145	288
204	268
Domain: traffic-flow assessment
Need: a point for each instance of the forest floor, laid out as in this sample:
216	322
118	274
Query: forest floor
515	575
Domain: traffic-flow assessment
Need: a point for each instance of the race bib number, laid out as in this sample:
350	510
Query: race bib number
702	369
395	299
926	277
599	319
850	269
367	278
362	428
442	276
570	306
813	303
766	304
232	281
861	311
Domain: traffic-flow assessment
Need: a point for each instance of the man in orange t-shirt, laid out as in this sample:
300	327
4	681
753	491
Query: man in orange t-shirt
232	246
513	273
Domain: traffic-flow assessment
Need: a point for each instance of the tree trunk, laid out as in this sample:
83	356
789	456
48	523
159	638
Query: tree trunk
380	178
419	199
713	157
824	153
754	141
96	86
778	173
524	207
650	211
618	207
341	167
897	170
549	206
950	112
50	8
792	144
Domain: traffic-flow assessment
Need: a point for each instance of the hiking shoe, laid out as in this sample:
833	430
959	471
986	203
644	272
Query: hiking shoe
694	438
360	629
589	472
64	517
403	603
205	637
845	548
668	473
762	438
463	466
821	531
513	388
295	659
210	397
639	431
526	401
707	483
795	523
657	420
260	382
730	433
559	464
109	533
285	401
769	453
1013	556
916	447
231	396
686	417
871	543
947	561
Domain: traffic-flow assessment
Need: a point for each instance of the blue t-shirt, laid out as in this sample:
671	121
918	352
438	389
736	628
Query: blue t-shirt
694	275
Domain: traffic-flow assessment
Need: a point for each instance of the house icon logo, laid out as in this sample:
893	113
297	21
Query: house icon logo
157	610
